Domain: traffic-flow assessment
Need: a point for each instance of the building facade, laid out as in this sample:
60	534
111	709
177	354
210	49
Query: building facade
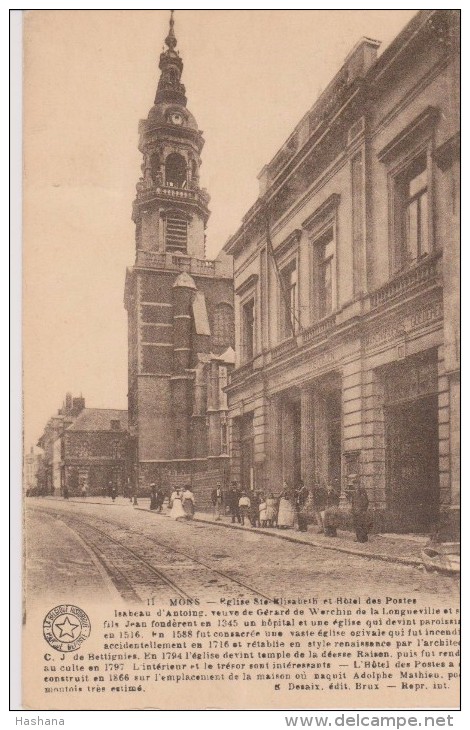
49	476
179	304
84	447
347	289
31	470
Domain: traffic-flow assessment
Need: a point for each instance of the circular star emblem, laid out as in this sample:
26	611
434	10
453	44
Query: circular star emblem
66	627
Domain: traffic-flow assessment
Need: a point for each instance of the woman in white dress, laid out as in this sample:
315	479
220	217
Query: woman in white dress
177	511
263	509
187	500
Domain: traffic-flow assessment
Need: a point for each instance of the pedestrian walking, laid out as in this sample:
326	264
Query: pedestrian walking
359	507
301	500
187	500
244	505
263	507
331	515
66	492
160	498
254	509
177	512
319	505
217	501
233	497
271	510
153	496
286	512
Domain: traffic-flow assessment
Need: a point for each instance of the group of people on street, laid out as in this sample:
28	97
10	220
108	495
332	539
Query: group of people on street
181	503
293	507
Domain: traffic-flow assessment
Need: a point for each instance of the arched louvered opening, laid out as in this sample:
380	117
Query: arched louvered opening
175	171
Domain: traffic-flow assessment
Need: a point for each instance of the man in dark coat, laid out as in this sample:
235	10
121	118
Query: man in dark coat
254	509
359	507
153	496
160	498
331	513
319	505
233	498
217	499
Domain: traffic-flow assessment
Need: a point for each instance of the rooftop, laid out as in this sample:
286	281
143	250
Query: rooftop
99	419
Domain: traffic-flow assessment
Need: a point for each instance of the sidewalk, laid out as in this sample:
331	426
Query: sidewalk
404	549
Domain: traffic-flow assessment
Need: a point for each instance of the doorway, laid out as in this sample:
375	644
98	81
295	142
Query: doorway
291	439
333	426
412	462
246	452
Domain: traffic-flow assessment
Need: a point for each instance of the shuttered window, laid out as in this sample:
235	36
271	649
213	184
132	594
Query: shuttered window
176	234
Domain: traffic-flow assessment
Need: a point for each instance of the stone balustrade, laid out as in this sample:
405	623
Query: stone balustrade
284	348
172	261
319	329
423	273
178	194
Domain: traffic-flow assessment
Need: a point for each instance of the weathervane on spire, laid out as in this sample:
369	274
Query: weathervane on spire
170	40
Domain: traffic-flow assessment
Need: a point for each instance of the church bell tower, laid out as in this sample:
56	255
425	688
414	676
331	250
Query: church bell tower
170	209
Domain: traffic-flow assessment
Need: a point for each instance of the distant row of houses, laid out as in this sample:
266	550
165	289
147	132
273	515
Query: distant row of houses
83	449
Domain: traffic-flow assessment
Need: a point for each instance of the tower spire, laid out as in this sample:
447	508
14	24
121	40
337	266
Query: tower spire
170	89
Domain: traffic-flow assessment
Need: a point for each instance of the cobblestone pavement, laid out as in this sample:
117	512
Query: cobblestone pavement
259	560
58	563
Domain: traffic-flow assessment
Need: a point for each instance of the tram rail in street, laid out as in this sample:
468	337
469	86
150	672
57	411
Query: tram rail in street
137	578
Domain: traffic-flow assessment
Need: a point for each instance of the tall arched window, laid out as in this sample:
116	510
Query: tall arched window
223	330
155	166
175	171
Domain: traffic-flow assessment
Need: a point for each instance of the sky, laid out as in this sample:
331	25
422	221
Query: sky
89	76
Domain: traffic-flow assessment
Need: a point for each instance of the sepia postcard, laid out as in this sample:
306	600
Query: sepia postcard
241	355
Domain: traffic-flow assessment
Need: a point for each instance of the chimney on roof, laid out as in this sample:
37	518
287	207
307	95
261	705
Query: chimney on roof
77	406
361	58
68	403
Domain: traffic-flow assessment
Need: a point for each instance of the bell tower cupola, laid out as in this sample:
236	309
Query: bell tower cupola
170	210
170	87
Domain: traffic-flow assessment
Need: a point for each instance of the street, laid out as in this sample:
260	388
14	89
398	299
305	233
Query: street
121	553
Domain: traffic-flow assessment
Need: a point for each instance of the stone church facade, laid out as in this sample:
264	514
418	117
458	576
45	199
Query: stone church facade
179	305
347	289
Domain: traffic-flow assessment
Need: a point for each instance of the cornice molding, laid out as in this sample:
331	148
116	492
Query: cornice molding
421	126
323	211
291	240
247	284
448	152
